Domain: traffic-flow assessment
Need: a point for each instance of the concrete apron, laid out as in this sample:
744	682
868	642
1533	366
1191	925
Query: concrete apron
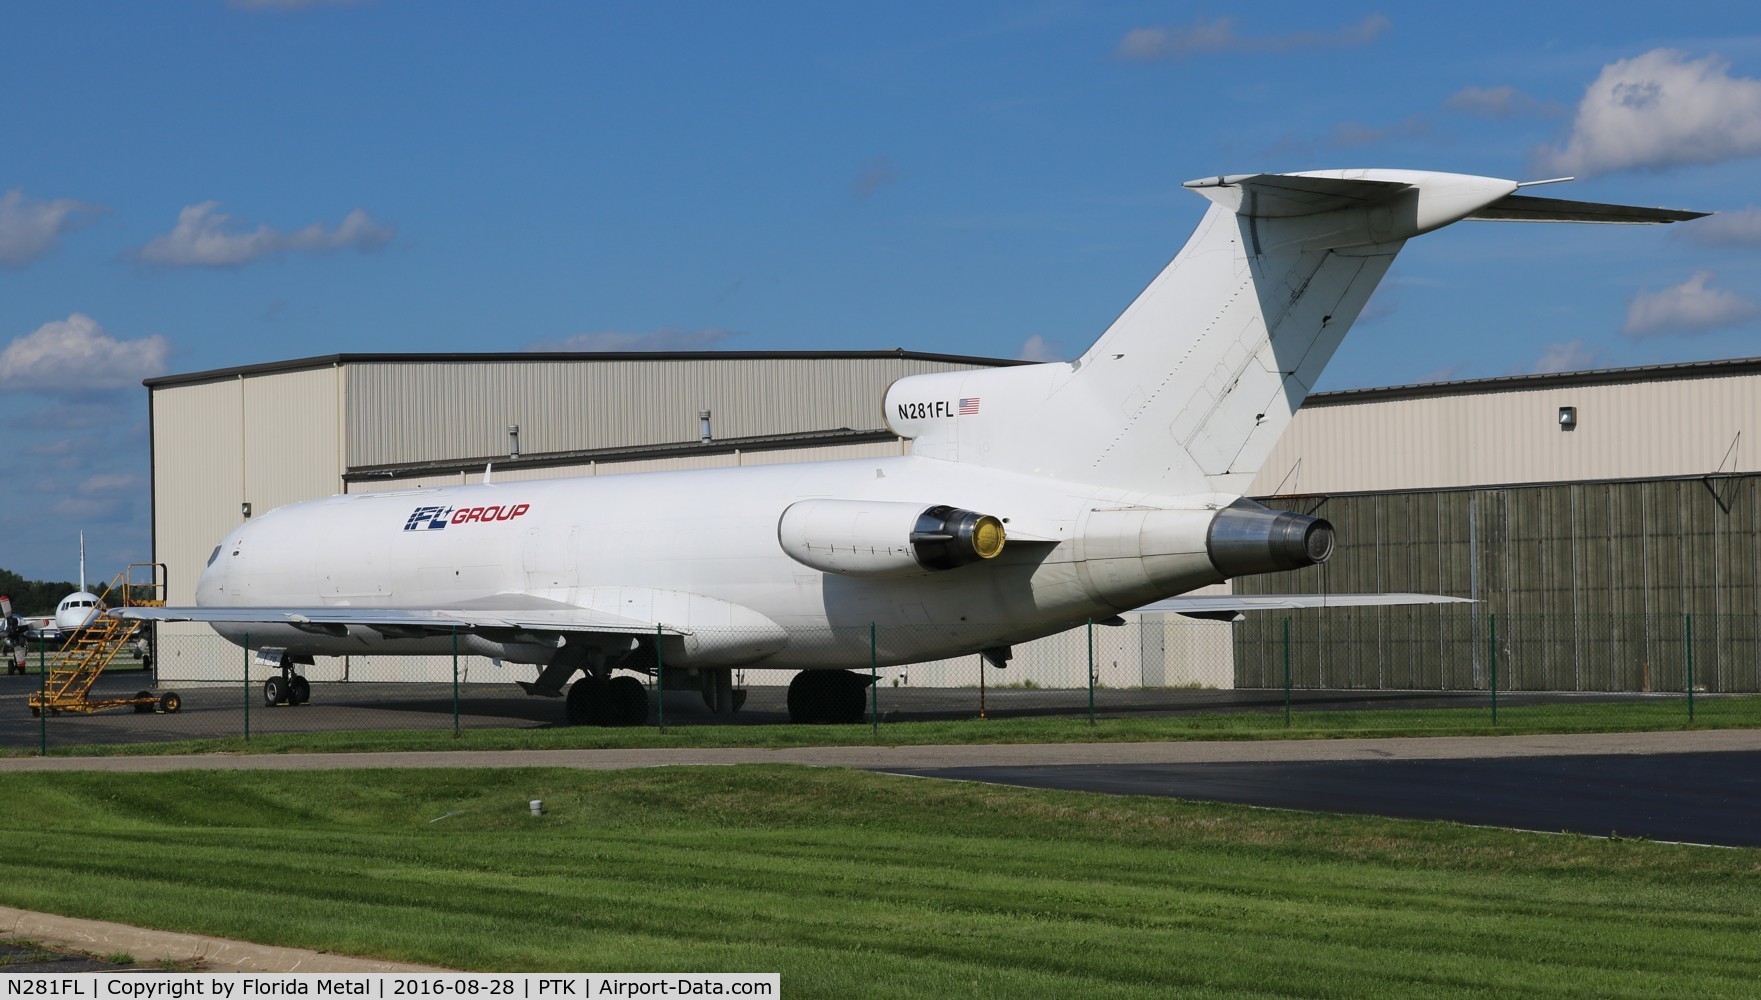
100	937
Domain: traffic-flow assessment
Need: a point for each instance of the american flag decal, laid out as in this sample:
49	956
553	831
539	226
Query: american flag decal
968	405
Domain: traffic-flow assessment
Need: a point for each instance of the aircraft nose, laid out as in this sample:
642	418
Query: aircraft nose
211	586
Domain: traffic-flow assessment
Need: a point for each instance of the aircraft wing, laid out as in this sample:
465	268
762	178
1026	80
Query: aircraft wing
1225	607
417	619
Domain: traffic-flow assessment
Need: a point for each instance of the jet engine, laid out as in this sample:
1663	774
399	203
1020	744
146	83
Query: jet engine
885	538
1247	538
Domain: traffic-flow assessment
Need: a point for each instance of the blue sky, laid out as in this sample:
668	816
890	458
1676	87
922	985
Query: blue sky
198	184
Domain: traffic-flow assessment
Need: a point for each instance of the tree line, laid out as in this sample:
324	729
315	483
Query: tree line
34	597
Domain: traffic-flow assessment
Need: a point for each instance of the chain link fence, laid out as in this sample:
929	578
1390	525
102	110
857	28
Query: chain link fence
1401	669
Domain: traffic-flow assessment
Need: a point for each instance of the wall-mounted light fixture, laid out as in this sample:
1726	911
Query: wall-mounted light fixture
703	435
244	510
1568	418
513	440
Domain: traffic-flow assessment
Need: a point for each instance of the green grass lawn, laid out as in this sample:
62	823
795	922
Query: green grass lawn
854	884
1568	717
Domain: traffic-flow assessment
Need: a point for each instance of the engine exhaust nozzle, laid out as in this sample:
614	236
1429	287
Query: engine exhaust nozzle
1247	538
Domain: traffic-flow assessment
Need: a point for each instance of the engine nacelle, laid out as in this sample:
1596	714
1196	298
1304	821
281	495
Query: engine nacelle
1247	538
885	538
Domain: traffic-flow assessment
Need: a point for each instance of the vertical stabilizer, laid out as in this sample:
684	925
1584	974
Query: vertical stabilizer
1191	386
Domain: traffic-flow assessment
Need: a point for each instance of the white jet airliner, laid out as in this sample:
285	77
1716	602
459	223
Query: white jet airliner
1034	497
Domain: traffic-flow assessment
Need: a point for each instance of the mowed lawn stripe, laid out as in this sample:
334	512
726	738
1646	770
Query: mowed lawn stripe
849	881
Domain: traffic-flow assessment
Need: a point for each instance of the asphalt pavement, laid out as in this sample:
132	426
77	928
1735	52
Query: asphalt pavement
1697	797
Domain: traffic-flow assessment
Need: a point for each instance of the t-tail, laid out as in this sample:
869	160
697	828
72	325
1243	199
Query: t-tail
1189	389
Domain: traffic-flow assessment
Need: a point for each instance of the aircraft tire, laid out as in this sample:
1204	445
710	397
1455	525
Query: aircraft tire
826	696
849	704
589	703
299	690
628	701
274	691
803	699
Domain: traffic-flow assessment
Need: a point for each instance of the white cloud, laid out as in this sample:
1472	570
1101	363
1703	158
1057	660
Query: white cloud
1657	110
664	339
1347	135
1038	348
1218	35
109	482
1497	102
205	237
1689	307
1571	356
1740	228
30	229
76	355
876	174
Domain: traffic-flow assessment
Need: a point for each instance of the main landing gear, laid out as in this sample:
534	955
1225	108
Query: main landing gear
828	696
597	700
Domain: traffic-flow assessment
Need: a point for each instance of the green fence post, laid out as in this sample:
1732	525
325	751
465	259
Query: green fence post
981	686
1091	671
247	687
43	696
1492	660
659	682
455	682
873	683
1688	624
1287	673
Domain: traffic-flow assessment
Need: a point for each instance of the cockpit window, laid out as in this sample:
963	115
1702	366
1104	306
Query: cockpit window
213	555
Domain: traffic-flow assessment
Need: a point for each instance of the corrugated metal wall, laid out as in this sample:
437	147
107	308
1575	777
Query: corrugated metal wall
1629	430
435	411
1593	587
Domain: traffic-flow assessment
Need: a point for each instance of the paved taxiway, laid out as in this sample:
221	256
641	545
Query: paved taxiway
1694	797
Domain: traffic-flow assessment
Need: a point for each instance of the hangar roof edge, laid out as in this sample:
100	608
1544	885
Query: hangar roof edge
330	360
1521	383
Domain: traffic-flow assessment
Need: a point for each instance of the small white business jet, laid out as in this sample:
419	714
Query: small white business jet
1034	498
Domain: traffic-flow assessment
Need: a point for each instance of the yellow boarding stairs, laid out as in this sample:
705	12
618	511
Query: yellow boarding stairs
77	666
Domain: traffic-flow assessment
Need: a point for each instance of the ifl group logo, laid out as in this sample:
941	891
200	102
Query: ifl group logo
435	518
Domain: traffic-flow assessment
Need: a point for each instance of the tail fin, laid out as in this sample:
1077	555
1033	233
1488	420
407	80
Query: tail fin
1191	386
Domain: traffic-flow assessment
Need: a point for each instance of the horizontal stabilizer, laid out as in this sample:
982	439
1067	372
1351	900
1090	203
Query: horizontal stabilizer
1225	604
1526	208
1287	196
